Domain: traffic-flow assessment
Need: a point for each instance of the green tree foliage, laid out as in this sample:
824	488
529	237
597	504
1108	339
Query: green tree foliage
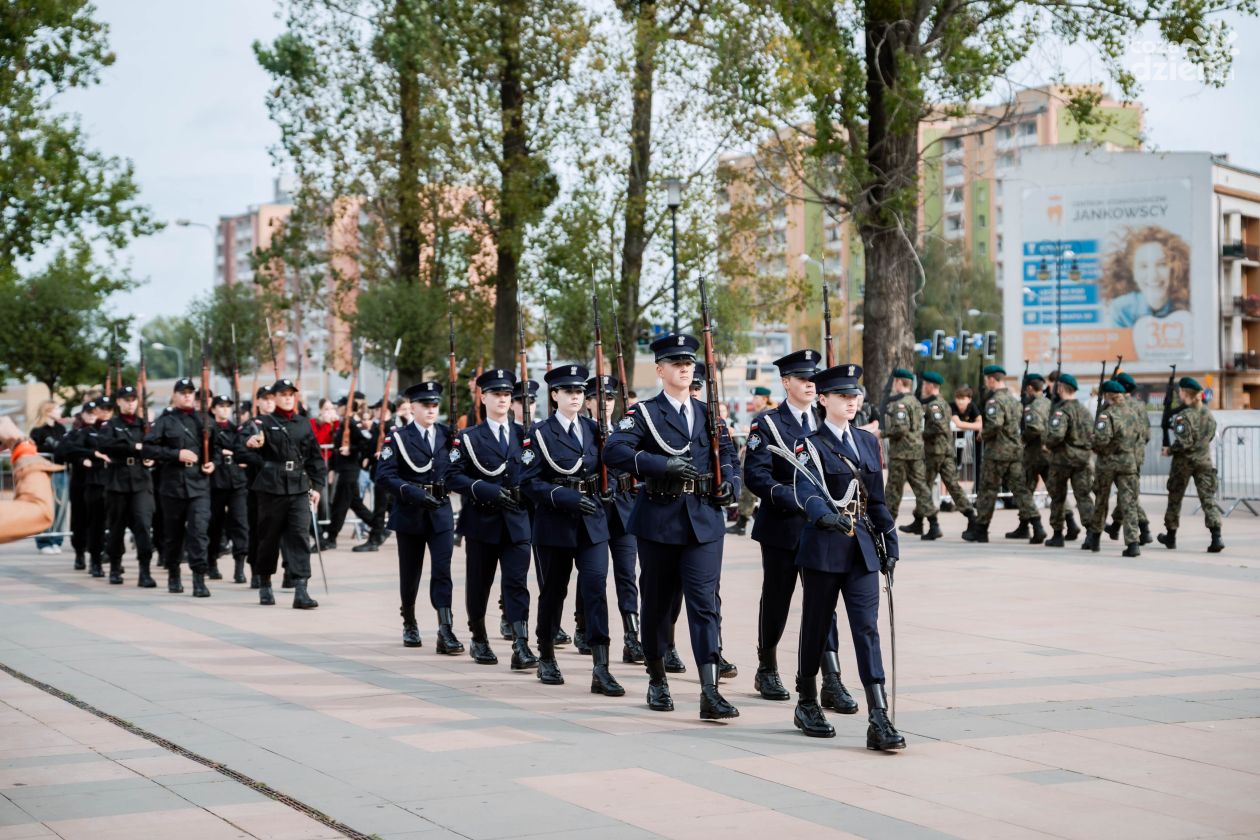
955	284
228	308
177	331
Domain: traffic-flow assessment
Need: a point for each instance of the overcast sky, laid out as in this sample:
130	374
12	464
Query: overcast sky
185	101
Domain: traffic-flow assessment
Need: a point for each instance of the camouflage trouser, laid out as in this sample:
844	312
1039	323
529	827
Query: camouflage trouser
1204	475
900	472
1082	481
1036	468
1141	514
943	465
992	473
1126	484
747	502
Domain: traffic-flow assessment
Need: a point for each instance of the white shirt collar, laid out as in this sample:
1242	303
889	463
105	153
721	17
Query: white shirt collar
495	426
675	403
566	424
800	414
841	431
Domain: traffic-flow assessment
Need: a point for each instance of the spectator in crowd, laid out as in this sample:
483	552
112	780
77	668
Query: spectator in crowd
47	433
31	508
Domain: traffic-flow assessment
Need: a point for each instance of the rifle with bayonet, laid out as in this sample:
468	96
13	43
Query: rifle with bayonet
110	355
1023	398
1166	417
453	373
389	381
711	399
481	368
827	351
236	380
1102	380
356	360
142	383
206	419
601	413
526	416
622	387
271	342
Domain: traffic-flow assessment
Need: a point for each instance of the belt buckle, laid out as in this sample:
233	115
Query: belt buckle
689	485
131	462
288	466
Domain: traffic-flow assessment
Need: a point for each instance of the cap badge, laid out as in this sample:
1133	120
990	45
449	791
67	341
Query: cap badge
572	370
681	340
809	354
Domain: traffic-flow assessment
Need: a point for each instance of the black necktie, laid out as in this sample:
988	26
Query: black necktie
503	445
851	444
805	422
573	435
682	412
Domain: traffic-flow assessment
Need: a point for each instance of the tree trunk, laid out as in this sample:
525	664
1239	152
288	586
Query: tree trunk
514	183
408	198
646	41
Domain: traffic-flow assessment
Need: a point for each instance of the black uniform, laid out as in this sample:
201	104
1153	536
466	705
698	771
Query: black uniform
185	494
346	496
229	506
128	493
88	498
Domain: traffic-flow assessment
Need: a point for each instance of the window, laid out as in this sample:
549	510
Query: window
953	172
998	216
980	139
1028	129
956	195
953	224
1005	132
997	188
999	243
953	144
982	248
982	220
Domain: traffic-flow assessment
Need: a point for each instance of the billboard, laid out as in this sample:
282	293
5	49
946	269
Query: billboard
1130	244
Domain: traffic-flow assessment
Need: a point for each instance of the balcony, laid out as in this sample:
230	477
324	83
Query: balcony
1240	251
1247	308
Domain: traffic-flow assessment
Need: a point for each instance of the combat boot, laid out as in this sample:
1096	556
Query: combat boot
673	662
255	581
446	641
881	735
79	563
115	571
914	527
199	585
977	532
1020	533
1132	550
1038	533
215	574
934	529
95	567
738	527
286	582
579	641
145	581
411	630
173	584
809	717
562	638
1216	546
522	657
479	647
265	595
548	670
713	706
301	598
602	680
1056	539
1091	541
766	681
1168	539
726	670
1113	530
505	628
1144	533
238	569
834	695
658	697
632	648
1073	530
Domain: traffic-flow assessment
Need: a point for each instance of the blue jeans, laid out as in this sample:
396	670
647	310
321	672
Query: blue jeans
60	483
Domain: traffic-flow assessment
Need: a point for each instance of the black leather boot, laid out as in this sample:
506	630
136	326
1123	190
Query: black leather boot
766	681
632	648
934	529
1216	546
579	641
726	670
977	532
286	582
199	585
548	670
809	717
265	596
1073	530
79	563
215	574
1020	533
1144	533
713	706
658	697
373	544
522	657
301	598
115	571
446	641
238	569
1092	542
914	527
145	581
673	662
880	734
1056	539
1113	530
479	647
1132	550
173	583
1038	533
95	567
602	680
411	630
505	629
1168	539
834	695
254	581
562	638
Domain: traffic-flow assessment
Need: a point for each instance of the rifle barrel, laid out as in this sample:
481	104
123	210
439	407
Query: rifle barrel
711	385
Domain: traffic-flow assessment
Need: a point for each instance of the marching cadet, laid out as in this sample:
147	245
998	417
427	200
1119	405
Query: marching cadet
903	427
778	525
229	514
848	539
677	519
412	471
747	498
622	545
1002	451
1068	440
287	487
381	503
562	478
63	453
939	451
522	429
129	487
1143	424
263	406
81	447
184	485
1115	431
1032	430
347	463
1190	441
486	463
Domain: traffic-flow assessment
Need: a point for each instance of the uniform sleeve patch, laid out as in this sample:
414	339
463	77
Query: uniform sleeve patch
387	453
990	409
1055	421
936	413
625	423
803	457
1180	428
528	456
1101	424
454	456
527	442
754	440
901	415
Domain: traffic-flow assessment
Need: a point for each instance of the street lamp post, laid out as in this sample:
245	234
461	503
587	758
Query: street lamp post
1061	254
179	357
210	228
673	198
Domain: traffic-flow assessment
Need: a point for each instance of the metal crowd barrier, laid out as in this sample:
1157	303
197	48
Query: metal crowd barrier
1237	456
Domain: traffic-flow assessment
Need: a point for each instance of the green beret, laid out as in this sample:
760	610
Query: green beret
994	370
1036	377
1189	384
760	391
1069	380
1129	383
1111	386
933	377
902	373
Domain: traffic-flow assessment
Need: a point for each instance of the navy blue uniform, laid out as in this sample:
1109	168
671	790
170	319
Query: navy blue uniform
679	530
408	468
834	564
558	473
493	536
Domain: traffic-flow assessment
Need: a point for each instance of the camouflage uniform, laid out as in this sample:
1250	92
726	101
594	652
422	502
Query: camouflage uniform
1115	433
1068	439
1143	423
903	427
1002	458
938	451
1032	430
1190	441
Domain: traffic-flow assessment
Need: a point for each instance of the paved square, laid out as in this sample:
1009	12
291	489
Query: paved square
1043	692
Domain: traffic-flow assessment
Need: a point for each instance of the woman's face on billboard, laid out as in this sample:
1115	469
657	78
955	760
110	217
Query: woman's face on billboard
1152	273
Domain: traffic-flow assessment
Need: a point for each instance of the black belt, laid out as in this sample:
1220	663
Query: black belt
588	486
131	462
670	488
287	466
437	490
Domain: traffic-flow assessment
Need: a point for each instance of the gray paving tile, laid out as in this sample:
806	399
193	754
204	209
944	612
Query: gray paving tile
1070	720
855	820
517	814
48	760
212	793
101	802
12	814
1052	777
